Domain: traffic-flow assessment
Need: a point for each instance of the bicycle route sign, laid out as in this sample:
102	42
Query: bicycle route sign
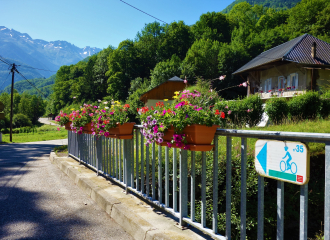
282	160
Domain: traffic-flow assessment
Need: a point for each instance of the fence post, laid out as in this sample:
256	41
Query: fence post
261	196
183	186
280	210
327	193
243	187
160	179
228	189
303	212
98	154
215	186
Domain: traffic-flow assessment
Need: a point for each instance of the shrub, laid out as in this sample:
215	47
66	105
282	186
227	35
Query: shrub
21	120
243	111
325	104
306	106
277	109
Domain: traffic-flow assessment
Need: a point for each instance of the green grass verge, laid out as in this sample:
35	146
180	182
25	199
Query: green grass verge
44	133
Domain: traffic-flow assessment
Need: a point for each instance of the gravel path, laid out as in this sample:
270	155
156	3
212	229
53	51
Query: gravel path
47	122
38	201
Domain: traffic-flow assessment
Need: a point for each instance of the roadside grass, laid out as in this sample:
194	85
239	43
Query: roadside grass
313	126
42	133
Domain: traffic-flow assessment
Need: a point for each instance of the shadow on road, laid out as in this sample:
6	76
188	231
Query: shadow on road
20	213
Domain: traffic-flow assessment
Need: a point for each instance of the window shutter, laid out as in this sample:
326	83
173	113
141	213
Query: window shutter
269	84
266	85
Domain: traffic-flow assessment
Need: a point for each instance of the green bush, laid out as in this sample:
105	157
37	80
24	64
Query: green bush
306	106
21	120
277	109
325	105
243	111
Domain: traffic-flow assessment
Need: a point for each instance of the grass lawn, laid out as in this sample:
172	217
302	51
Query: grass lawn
44	133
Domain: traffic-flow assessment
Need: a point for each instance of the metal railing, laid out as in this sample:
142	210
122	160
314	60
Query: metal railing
116	159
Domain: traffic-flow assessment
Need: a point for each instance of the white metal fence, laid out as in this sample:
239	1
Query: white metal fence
135	166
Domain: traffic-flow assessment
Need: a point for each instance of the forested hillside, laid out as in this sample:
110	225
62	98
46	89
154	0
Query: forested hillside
276	4
217	44
45	85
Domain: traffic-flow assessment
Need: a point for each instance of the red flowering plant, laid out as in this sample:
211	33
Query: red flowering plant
109	115
62	118
82	117
186	114
155	122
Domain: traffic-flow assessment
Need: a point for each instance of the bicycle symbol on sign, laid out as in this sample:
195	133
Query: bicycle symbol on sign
285	166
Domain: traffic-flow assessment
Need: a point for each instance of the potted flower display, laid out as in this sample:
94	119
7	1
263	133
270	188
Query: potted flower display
112	121
63	120
189	123
81	119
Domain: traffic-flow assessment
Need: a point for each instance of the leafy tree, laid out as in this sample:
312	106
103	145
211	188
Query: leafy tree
177	39
203	56
165	70
213	26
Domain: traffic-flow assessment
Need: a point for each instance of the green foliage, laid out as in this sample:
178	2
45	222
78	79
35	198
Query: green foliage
304	106
276	4
277	109
247	111
29	105
21	120
165	70
325	104
203	58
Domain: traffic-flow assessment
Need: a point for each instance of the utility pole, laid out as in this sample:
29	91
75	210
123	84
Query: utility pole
13	69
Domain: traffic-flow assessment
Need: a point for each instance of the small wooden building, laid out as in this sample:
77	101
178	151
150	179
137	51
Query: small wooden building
163	91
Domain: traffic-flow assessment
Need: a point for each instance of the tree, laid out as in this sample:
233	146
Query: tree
165	70
202	57
213	26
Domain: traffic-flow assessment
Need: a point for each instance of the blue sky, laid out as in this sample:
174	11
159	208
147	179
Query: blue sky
97	23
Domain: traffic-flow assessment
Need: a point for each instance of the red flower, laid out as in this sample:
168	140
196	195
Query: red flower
222	115
217	112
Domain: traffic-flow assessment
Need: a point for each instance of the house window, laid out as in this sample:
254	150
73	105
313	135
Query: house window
293	81
281	82
268	85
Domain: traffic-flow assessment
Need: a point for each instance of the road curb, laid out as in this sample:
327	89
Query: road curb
137	218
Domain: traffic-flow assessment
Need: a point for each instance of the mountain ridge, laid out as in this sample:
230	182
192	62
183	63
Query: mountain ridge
38	53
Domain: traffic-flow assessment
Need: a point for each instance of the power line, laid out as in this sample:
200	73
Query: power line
29	82
4	60
143	11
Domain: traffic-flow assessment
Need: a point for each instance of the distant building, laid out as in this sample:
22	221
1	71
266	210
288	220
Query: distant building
289	69
163	91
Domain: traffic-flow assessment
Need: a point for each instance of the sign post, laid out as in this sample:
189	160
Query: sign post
282	160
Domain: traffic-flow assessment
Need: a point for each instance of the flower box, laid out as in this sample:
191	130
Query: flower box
68	126
88	128
198	137
124	131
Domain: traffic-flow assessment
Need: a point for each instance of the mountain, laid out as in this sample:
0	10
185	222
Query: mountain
277	4
20	48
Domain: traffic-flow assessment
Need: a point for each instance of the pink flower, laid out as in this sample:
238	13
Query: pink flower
58	129
229	112
106	134
185	81
186	147
226	106
103	111
169	144
198	109
179	144
222	77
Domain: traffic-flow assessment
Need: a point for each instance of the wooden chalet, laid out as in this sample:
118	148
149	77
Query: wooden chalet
163	91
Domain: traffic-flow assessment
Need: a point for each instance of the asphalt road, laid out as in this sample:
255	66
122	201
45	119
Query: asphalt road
38	201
